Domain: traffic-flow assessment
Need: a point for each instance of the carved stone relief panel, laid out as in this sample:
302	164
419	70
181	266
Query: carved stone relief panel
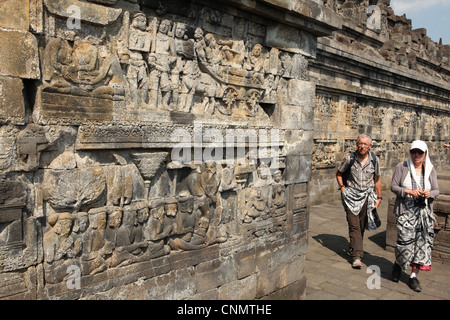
104	214
326	107
147	63
96	183
324	154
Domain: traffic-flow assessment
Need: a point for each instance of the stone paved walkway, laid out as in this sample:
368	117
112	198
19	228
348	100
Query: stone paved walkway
329	273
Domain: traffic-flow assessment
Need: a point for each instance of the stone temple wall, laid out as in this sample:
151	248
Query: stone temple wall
377	76
156	149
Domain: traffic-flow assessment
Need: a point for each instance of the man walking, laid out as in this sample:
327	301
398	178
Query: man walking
359	181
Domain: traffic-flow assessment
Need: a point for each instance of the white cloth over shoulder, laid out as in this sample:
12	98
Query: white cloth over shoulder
418	144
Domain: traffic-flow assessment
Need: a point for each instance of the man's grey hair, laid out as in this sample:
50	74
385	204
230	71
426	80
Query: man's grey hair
365	136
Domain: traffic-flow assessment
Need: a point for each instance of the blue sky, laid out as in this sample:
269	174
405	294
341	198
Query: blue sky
433	15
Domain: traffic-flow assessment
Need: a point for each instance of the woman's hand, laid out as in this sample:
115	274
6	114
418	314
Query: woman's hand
414	193
425	193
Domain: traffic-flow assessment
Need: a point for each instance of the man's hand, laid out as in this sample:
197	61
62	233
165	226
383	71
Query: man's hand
378	203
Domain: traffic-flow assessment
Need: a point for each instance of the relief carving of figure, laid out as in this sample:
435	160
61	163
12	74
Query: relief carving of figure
110	72
60	247
58	70
256	63
206	85
234	52
286	64
161	59
114	221
139	40
84	70
95	250
120	185
213	55
178	45
279	200
155	248
185	68
271	85
256	204
162	221
124	248
186	223
200	44
139	211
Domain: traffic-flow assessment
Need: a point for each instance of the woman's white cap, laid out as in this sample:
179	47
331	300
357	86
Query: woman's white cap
419	144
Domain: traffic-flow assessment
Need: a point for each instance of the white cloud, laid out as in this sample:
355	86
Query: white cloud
402	6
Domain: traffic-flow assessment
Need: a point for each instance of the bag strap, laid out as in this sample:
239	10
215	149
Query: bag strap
374	159
352	159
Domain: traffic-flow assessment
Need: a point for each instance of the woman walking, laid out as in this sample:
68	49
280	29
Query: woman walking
415	183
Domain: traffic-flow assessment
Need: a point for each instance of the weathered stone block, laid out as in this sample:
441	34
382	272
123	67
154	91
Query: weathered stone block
177	285
299	142
291	39
20	56
279	276
245	262
299	168
297	110
12	106
442	204
263	257
15	286
89	12
63	108
293	291
7	147
215	273
444	182
243	289
14	14
290	117
301	93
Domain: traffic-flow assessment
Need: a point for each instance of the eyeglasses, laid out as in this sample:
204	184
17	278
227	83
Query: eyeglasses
419	152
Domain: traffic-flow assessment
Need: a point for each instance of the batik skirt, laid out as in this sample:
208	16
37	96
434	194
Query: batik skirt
415	236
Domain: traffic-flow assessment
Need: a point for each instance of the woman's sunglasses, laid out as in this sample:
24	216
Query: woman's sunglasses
419	152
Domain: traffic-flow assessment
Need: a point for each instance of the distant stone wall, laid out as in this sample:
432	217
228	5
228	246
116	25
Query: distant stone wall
377	76
156	149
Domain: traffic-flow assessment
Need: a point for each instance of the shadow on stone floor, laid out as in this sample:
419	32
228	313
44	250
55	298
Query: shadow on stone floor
379	239
335	243
339	245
